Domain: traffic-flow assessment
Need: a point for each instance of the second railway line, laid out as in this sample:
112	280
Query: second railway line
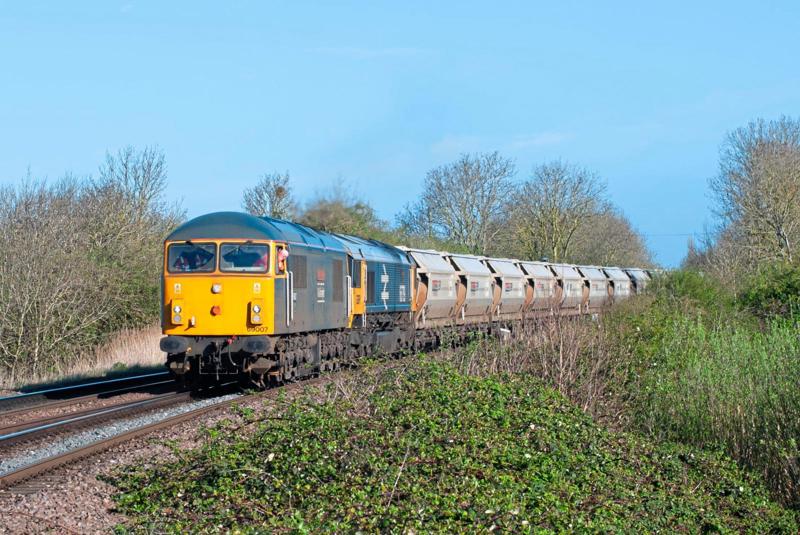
34	473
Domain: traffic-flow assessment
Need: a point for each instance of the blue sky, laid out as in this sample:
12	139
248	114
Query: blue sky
376	93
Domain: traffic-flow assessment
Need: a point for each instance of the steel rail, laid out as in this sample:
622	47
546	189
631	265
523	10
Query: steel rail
84	385
27	399
47	424
57	404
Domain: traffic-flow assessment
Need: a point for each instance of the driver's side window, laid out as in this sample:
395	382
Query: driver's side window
281	254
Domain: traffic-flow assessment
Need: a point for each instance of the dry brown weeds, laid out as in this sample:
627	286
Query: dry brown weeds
129	348
576	356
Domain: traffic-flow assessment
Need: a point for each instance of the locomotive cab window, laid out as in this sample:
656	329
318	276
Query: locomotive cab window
191	257
281	254
355	272
244	257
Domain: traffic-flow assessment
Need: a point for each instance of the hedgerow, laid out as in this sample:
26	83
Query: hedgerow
774	291
428	448
79	263
705	371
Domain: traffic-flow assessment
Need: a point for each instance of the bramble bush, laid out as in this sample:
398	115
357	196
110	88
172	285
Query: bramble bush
774	292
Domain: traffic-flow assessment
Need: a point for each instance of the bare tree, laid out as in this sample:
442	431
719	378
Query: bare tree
758	188
142	175
610	240
720	254
417	221
129	197
272	197
80	260
557	200
465	202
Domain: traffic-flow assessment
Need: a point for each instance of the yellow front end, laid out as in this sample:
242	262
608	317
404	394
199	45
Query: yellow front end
217	303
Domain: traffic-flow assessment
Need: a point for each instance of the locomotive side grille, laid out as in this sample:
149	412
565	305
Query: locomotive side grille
297	263
371	297
338	285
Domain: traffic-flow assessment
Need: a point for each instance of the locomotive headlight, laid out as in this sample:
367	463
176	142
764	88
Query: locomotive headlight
216	288
255	311
176	308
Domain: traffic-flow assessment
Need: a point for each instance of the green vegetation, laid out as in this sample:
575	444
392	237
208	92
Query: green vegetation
675	388
704	371
774	291
729	387
427	447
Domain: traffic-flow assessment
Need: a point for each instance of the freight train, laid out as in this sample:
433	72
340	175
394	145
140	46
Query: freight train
268	301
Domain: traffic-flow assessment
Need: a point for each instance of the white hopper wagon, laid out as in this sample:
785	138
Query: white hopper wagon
620	282
477	286
510	287
599	287
437	288
572	287
544	291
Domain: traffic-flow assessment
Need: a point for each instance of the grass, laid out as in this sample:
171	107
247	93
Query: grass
699	366
730	387
128	350
432	447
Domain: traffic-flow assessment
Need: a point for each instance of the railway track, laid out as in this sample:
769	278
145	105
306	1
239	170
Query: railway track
73	421
151	388
72	394
29	479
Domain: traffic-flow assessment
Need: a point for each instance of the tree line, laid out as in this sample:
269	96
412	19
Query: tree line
756	196
80	257
560	212
80	260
